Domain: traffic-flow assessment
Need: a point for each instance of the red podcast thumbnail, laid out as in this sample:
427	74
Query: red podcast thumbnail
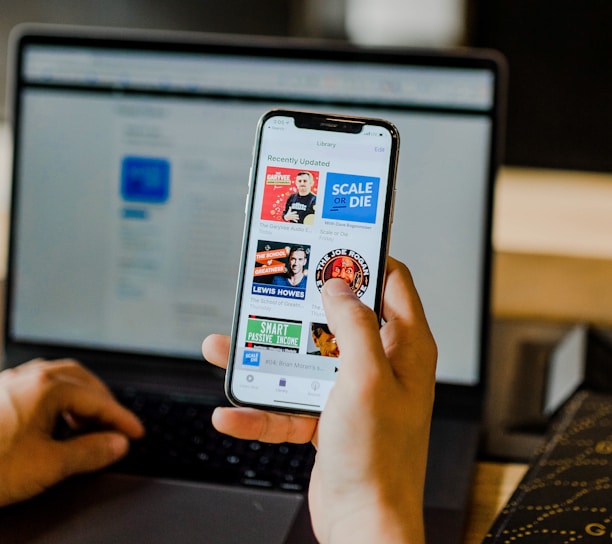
290	195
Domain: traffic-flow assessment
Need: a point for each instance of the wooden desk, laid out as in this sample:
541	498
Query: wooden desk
553	255
493	485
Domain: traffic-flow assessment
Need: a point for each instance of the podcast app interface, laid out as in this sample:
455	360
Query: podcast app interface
318	213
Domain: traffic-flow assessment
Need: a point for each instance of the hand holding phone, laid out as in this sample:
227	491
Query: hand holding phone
319	207
384	400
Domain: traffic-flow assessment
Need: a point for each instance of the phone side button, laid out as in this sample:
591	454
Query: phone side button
392	212
246	203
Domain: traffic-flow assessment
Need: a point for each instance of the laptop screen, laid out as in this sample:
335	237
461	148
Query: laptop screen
131	169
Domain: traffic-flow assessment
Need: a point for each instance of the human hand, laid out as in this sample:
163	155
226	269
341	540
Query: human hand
292	216
372	437
33	397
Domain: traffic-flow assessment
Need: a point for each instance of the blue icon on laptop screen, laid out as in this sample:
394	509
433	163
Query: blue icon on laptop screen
145	179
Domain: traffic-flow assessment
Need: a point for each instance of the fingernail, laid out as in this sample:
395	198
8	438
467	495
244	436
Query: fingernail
119	445
337	287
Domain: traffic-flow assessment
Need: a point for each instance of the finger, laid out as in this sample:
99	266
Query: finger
401	299
406	336
83	403
251	424
348	318
215	349
88	452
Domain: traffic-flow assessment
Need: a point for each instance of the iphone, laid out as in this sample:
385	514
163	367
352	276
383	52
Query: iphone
319	206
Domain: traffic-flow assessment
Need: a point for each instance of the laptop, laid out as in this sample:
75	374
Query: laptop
129	281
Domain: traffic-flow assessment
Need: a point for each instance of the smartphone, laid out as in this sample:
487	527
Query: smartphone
319	206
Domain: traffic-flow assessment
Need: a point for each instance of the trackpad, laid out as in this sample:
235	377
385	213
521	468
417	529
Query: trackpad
126	509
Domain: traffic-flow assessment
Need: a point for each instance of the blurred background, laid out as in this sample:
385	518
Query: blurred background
558	51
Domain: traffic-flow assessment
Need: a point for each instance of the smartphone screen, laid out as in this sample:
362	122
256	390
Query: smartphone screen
319	207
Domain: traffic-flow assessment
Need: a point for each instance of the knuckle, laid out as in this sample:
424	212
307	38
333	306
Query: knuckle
44	377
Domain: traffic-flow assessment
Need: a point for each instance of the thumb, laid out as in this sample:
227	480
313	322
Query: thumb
90	452
355	326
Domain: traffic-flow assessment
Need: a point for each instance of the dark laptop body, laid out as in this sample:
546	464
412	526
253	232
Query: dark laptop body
129	281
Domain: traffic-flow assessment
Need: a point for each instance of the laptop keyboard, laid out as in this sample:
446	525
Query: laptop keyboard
182	443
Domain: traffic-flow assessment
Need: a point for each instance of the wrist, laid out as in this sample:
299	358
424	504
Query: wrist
380	522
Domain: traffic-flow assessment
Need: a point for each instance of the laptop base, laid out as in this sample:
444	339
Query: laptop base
153	511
